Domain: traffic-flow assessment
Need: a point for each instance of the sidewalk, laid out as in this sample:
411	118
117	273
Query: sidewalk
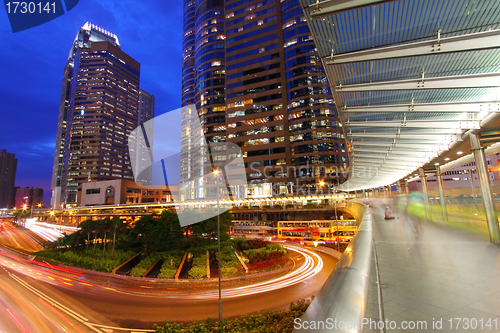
443	275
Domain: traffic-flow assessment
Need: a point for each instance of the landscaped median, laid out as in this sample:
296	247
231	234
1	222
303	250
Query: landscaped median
255	256
87	259
281	321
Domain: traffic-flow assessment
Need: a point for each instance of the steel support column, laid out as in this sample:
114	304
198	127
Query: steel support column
423	179
407	190
400	190
442	199
484	184
473	187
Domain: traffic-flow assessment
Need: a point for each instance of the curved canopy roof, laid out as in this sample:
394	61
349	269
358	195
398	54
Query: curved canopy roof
410	78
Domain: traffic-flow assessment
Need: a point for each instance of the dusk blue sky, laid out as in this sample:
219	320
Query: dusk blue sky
32	63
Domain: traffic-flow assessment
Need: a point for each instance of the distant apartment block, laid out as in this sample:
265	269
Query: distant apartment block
8	168
29	196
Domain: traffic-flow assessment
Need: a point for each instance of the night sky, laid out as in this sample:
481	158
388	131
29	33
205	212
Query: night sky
32	63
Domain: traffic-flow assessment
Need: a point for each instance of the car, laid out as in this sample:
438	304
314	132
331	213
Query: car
312	242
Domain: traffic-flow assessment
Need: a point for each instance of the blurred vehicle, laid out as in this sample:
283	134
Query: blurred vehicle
319	230
312	242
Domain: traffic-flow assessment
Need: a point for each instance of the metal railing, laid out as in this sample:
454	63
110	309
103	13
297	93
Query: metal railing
340	304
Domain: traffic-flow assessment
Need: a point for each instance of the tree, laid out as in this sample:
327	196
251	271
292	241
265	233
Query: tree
208	228
104	227
86	228
116	225
144	231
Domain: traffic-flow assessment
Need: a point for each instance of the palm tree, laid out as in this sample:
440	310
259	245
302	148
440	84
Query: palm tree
86	229
115	224
105	227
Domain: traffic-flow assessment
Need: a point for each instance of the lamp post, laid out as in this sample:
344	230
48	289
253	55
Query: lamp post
337	225
216	173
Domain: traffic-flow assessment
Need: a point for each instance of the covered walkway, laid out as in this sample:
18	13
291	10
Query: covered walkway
439	273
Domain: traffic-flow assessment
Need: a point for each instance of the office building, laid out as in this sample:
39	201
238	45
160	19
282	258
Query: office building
254	75
98	110
8	168
146	106
146	112
29	197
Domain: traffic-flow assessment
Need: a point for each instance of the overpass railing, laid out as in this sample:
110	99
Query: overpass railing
341	302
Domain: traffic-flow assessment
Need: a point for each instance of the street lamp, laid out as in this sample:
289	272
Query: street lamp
216	173
321	184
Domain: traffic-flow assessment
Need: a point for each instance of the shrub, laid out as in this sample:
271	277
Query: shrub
281	321
199	268
341	247
270	252
167	272
87	260
229	271
141	268
198	272
171	261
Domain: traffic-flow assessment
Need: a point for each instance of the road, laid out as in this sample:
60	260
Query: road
79	296
15	238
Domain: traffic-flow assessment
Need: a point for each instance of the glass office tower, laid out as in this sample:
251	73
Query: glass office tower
254	75
98	110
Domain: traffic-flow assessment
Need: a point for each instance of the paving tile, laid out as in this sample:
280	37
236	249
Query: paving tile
446	273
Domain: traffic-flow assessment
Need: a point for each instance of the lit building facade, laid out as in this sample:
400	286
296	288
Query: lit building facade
253	73
99	109
29	196
459	180
123	192
146	107
146	112
8	168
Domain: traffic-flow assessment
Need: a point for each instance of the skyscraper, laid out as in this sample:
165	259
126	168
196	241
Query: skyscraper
146	112
146	106
254	74
98	110
8	168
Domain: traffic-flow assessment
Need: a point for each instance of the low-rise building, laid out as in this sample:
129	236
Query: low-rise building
122	191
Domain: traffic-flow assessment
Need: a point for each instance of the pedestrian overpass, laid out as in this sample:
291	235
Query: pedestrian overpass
417	89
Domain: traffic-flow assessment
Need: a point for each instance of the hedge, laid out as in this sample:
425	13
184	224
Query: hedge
271	251
87	260
171	261
199	268
276	321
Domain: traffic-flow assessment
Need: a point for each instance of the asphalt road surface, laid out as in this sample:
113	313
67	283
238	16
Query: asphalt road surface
34	298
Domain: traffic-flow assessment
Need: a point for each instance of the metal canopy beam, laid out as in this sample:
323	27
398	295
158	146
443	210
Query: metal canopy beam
433	146
405	169
490	80
421	136
446	124
473	107
406	162
395	159
381	154
469	42
430	153
330	7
